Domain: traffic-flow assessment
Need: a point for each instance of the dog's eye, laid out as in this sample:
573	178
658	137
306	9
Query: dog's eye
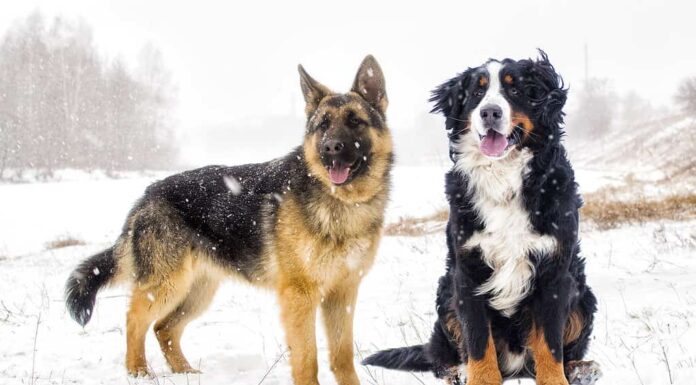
480	93
514	91
324	125
353	121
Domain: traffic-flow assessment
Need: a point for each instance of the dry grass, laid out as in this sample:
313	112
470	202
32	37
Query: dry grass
601	209
64	241
608	213
417	226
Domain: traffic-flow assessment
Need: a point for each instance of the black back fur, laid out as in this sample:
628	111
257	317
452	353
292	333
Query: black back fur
551	201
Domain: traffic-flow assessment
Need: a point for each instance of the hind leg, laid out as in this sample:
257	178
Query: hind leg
149	302
576	339
170	328
138	321
142	312
447	336
442	350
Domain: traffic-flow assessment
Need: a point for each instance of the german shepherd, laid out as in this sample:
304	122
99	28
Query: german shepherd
514	301
306	225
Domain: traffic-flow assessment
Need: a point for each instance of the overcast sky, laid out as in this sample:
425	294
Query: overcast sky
234	59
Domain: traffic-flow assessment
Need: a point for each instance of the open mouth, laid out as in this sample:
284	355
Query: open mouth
340	172
494	144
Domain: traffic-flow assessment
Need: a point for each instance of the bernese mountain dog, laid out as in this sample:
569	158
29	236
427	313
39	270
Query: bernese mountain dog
513	301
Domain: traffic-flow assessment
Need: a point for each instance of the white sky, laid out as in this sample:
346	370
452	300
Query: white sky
236	59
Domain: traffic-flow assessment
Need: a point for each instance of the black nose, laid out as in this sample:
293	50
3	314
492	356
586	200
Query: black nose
333	147
491	115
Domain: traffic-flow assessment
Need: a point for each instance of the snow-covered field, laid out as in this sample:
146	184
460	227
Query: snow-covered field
643	275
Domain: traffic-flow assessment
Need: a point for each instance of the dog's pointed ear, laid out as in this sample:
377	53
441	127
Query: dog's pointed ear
369	83
312	90
450	98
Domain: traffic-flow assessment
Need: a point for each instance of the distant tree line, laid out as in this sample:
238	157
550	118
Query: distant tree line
686	96
62	105
598	109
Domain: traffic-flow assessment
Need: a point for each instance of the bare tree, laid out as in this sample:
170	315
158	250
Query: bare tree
158	94
635	110
686	96
595	110
61	105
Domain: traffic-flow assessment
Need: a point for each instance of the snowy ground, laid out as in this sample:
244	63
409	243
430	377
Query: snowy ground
643	275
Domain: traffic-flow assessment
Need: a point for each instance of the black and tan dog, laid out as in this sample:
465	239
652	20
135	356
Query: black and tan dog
306	225
513	301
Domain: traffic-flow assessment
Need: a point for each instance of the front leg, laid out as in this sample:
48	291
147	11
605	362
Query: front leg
298	303
481	358
546	337
338	308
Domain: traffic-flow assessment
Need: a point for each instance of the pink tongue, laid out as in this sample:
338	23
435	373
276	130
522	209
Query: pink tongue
338	175
493	144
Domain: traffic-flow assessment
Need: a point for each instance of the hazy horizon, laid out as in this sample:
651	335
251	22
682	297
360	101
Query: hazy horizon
233	63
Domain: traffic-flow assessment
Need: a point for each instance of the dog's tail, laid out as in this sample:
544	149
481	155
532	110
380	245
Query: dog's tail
84	282
411	358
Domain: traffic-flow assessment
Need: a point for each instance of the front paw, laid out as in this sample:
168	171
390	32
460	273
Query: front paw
186	370
482	382
555	380
583	372
346	377
140	372
485	380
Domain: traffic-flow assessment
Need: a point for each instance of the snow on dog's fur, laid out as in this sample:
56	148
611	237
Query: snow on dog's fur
306	225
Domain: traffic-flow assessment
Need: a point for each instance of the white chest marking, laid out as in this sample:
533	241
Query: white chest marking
508	238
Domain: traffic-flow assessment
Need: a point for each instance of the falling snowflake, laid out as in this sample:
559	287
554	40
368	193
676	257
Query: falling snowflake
232	184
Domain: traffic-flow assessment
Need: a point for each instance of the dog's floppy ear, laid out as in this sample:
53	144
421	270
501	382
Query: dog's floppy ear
450	98
369	83
312	90
552	94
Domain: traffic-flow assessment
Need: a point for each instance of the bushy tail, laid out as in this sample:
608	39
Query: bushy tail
410	358
84	282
